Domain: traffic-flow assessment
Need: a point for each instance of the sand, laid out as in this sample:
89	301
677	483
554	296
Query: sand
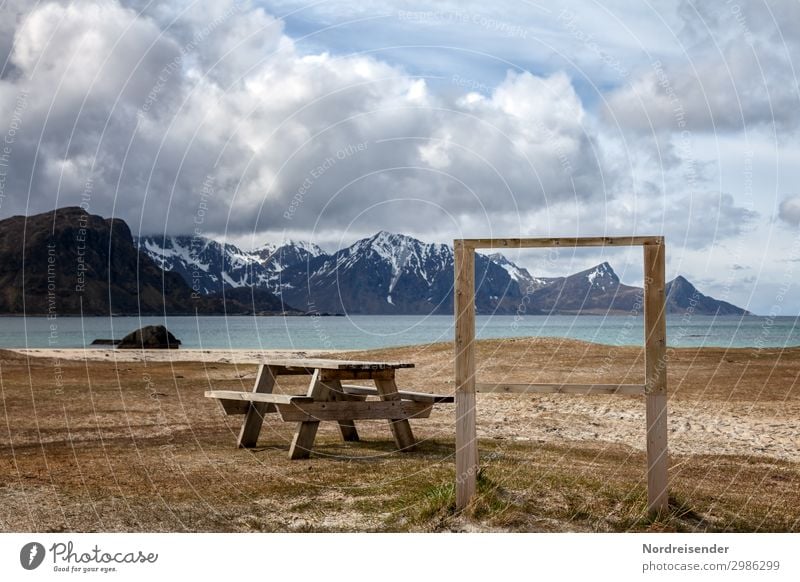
765	426
229	356
91	431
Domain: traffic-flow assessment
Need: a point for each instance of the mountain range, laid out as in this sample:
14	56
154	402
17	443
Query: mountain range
391	273
71	262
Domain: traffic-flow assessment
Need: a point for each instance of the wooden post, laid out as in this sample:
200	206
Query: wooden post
466	434
251	427
306	432
401	429
347	428
655	327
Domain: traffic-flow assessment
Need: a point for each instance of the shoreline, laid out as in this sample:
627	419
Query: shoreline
210	355
255	355
613	313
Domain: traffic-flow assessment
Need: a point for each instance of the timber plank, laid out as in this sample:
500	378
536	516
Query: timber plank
330	364
255	396
591	241
365	410
404	394
560	388
254	417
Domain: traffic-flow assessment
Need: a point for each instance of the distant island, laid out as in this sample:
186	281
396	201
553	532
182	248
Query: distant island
69	262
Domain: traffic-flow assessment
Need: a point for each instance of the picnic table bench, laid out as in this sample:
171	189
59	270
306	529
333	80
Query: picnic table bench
328	399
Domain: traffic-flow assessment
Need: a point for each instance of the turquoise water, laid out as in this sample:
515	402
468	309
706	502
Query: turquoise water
367	332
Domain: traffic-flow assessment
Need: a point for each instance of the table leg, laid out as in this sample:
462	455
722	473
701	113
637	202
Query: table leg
346	427
265	382
306	432
401	429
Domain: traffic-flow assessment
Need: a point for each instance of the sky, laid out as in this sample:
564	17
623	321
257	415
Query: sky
252	122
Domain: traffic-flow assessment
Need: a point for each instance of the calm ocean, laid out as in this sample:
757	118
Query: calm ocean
367	332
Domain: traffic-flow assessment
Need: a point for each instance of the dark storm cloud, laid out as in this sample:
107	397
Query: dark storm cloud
138	110
204	115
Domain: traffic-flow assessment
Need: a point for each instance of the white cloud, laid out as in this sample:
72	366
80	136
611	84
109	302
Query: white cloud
154	100
149	105
89	50
789	210
736	72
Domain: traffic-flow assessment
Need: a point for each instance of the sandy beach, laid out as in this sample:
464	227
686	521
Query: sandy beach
234	356
125	440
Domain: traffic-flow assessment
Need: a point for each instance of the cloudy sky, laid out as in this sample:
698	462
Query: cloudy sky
254	121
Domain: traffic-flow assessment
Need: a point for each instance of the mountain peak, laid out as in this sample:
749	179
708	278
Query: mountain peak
309	247
602	275
499	258
385	237
388	244
681	280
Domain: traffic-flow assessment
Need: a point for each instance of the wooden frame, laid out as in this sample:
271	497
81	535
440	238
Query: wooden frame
654	388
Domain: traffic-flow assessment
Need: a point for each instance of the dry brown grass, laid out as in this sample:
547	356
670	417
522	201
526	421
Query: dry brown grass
136	447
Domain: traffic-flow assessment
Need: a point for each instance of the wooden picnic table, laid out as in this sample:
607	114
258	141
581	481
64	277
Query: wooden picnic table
328	399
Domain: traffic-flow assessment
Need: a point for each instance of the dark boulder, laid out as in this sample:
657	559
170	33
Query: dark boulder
150	337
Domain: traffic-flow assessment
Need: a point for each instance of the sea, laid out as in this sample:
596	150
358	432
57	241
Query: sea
380	331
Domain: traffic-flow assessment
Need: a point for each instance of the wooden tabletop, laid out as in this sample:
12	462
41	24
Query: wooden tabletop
327	364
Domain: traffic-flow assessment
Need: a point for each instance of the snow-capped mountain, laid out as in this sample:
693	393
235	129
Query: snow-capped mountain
393	274
118	277
527	282
206	265
595	290
386	273
209	266
289	253
602	277
396	274
599	291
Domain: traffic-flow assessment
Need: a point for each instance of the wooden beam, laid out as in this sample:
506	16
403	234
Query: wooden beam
398	410
256	397
401	430
254	417
330	375
426	397
330	364
527	243
293	371
359	390
303	439
347	428
466	431
404	394
561	388
656	378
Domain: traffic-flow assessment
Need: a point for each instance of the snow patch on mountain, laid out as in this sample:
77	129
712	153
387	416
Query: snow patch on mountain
602	276
407	273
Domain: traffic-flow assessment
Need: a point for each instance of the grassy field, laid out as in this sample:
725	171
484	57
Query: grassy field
105	446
